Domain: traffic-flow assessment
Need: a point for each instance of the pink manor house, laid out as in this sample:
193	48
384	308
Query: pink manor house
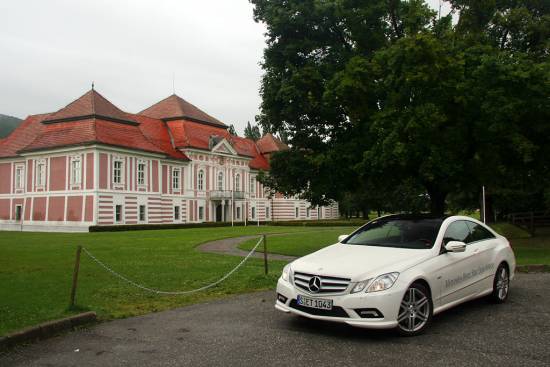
92	164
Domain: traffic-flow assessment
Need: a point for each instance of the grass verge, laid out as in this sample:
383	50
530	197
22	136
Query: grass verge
36	272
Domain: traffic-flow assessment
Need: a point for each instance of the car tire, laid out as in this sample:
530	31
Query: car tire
501	284
414	317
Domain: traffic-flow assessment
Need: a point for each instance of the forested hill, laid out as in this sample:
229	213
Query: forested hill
8	124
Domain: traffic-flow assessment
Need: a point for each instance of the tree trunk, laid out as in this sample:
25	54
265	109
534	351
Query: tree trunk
366	213
437	201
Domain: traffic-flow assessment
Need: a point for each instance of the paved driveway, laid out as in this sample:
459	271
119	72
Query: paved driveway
247	331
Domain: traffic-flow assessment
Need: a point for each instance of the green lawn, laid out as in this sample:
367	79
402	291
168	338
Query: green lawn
36	272
300	244
528	250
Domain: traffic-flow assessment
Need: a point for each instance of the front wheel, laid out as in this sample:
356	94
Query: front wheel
501	284
415	311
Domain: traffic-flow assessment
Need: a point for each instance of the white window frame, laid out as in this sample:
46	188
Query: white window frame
237	182
144	213
253	212
267	212
176	175
19	176
201	213
18	210
141	174
121	219
120	176
252	184
41	173
200	180
76	171
220	181
297	212
177	212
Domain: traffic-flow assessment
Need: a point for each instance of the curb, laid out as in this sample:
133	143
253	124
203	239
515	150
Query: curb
537	268
46	330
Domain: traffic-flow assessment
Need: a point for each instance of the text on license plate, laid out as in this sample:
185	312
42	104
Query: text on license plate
322	304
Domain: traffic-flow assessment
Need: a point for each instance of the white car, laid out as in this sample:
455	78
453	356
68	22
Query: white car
398	271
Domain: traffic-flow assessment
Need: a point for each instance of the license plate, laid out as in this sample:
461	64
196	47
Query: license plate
321	304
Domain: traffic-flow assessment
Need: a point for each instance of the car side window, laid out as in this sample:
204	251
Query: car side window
457	231
479	233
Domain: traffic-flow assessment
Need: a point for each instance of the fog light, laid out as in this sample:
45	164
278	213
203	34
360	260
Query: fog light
369	313
281	298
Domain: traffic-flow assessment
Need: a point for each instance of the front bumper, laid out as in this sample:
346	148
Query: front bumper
386	302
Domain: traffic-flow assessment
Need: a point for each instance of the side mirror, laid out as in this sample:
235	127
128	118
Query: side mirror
342	237
455	246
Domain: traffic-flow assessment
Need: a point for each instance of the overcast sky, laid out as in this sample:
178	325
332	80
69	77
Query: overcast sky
52	50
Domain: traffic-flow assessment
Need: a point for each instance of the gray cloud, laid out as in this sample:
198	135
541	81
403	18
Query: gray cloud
52	51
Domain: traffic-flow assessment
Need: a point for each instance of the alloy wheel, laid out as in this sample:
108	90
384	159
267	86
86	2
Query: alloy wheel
503	283
414	311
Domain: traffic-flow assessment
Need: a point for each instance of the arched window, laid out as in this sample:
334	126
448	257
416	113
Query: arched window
200	180
220	181
237	182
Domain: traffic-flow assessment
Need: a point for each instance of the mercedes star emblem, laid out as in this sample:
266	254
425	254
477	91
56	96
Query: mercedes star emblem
315	284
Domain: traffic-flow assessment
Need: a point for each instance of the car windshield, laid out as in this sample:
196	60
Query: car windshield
397	232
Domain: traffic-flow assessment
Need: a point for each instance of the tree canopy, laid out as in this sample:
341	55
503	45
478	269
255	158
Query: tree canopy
391	104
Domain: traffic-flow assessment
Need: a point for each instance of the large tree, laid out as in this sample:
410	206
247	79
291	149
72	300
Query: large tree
385	97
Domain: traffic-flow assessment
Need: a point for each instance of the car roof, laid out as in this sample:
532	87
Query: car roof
413	216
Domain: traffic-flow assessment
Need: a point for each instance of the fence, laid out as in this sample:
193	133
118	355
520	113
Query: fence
530	220
127	280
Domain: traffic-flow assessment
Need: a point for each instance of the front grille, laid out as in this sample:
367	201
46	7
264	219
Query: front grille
328	284
335	312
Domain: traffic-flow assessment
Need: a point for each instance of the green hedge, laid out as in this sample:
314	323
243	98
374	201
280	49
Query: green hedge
292	223
142	227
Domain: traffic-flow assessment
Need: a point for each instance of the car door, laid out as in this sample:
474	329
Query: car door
483	244
456	272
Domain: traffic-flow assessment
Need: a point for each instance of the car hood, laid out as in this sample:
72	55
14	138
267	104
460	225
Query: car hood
359	262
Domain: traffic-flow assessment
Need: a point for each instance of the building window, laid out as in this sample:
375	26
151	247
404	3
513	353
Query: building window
41	174
117	172
176	178
267	212
200	180
142	213
19	177
297	210
18	212
252	185
238	212
176	212
76	172
237	182
319	213
220	181
141	173
253	215
308	212
201	213
118	213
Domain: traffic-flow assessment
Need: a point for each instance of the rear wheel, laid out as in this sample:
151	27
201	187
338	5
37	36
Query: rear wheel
415	311
501	284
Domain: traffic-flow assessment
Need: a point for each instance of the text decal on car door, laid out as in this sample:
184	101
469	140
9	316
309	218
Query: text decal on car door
465	276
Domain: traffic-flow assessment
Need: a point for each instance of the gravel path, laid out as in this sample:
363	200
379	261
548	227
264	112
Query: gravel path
247	331
229	246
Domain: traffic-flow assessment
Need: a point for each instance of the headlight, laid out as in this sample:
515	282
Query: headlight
286	273
360	286
383	282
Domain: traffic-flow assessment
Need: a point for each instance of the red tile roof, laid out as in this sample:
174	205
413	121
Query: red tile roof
91	104
175	107
269	144
92	119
